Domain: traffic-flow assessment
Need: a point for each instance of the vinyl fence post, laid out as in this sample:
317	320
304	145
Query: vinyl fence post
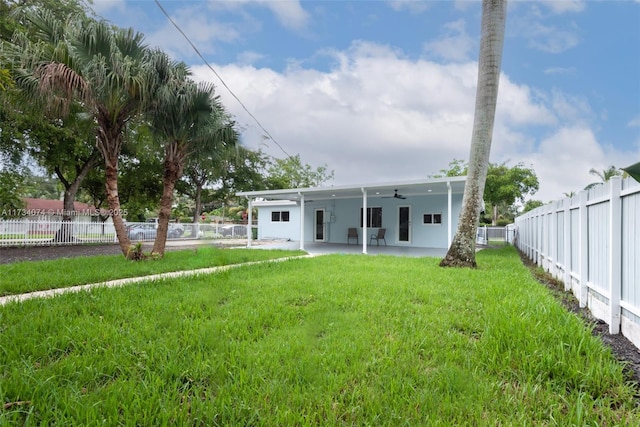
567	243
249	223
553	241
583	248
615	253
540	243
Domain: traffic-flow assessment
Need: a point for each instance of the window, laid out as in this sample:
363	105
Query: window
280	216
432	218
374	217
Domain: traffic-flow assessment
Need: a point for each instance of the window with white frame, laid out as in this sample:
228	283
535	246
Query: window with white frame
432	218
374	217
280	216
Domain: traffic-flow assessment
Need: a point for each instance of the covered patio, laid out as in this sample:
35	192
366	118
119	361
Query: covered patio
409	216
338	248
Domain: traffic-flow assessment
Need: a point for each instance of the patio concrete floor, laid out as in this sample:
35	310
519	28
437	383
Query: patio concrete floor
332	248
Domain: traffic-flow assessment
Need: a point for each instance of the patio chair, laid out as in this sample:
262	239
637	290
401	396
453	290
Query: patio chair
379	236
352	234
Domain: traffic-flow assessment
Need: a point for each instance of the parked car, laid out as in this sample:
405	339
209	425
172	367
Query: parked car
148	231
175	229
233	230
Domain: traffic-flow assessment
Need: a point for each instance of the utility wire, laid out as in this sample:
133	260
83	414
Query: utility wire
266	132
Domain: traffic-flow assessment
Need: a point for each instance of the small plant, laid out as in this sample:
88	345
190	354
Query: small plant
135	252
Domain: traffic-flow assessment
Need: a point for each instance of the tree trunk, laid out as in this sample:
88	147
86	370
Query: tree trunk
198	203
113	201
173	165
462	252
65	233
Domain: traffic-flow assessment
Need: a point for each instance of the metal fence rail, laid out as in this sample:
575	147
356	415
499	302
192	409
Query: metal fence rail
592	243
38	232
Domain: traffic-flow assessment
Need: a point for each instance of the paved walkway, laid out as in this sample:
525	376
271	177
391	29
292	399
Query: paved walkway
127	281
313	249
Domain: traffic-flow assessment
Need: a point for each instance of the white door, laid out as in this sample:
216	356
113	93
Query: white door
320	226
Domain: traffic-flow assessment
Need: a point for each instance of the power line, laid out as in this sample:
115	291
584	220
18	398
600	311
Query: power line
266	132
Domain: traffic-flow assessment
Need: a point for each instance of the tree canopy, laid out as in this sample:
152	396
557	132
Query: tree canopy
505	185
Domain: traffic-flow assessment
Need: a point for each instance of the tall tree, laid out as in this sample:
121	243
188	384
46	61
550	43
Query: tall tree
108	69
462	252
291	173
506	185
206	167
185	114
11	205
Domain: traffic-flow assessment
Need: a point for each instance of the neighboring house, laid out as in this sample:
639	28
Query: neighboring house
416	213
52	210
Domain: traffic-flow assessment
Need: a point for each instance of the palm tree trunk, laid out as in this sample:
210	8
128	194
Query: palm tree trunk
462	252
113	200
173	166
109	144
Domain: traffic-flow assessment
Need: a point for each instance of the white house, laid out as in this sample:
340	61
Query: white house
412	213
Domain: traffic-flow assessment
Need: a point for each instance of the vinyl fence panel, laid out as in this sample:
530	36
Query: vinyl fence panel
592	243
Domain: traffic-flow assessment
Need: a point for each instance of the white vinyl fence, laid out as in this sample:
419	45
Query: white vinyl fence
485	234
592	243
38	232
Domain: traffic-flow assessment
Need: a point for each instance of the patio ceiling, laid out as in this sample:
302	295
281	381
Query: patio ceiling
405	188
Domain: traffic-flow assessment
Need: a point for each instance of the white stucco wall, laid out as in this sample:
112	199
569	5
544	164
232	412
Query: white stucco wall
268	229
341	214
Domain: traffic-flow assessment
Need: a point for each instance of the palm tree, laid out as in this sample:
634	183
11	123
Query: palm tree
605	175
185	115
205	167
109	70
462	250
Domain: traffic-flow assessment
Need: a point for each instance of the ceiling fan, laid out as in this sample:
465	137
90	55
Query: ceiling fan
395	196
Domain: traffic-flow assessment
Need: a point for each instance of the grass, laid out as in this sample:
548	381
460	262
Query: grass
334	340
29	276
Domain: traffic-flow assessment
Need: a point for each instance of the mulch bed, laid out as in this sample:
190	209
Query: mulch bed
623	349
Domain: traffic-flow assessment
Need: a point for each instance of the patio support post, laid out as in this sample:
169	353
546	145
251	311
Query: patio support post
449	222
301	221
249	223
364	220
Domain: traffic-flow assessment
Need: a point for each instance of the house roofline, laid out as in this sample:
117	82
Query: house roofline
415	187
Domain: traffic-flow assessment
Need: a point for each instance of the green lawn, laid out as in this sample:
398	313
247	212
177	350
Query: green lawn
327	341
29	276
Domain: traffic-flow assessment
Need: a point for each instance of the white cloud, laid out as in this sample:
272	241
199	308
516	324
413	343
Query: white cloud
410	5
378	116
289	13
562	161
550	39
564	6
635	122
249	57
103	6
202	29
519	105
571	108
542	29
454	45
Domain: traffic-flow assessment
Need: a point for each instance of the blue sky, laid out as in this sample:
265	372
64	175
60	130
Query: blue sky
385	90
